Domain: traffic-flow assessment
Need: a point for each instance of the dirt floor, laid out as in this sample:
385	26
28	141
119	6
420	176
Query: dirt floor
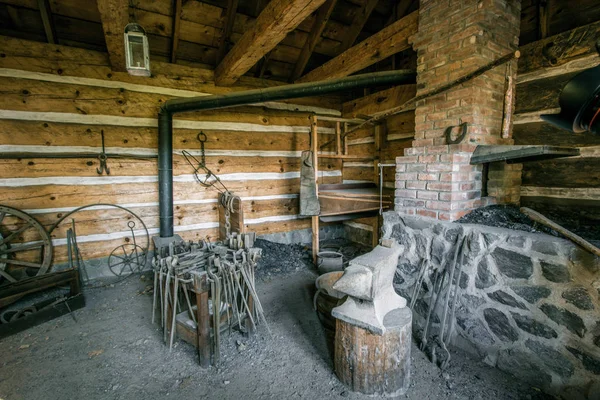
114	352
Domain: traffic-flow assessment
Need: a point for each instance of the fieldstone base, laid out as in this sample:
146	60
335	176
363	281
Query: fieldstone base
528	302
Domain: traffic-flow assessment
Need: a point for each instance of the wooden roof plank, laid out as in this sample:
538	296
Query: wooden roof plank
225	38
176	28
358	23
388	41
46	13
272	25
315	34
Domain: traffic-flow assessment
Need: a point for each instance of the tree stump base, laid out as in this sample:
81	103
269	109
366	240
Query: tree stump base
375	364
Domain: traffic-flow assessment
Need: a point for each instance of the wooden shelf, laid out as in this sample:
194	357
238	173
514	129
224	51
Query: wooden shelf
346	157
519	154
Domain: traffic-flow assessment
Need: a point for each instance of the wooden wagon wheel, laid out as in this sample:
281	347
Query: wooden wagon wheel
25	246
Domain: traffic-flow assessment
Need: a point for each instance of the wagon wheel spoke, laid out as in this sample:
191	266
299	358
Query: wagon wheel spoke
122	262
15	233
2	215
21	263
7	276
15	249
119	257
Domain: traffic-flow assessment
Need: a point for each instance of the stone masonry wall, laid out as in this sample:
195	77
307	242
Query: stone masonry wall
454	38
527	303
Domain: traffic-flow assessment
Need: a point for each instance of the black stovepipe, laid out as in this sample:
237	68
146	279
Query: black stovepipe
165	119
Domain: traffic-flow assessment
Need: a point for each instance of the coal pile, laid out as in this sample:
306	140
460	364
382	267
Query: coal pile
501	216
280	258
505	216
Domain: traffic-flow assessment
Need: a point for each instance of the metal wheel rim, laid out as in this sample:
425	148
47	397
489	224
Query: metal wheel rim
12	270
127	258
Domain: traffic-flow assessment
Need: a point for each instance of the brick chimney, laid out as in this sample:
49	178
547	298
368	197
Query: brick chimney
456	37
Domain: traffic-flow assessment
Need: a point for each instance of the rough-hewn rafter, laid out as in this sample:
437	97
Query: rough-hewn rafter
388	41
315	34
272	25
232	6
114	15
358	22
566	52
176	29
46	13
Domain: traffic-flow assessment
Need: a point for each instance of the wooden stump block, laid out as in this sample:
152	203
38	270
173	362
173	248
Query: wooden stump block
374	364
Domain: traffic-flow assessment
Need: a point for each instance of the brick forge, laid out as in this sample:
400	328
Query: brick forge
455	37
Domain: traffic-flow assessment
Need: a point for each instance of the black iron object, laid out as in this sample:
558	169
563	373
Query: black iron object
165	120
579	104
102	158
461	135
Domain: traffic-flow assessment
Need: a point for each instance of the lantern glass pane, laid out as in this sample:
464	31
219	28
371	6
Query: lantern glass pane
136	50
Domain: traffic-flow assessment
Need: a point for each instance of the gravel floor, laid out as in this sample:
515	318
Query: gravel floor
114	352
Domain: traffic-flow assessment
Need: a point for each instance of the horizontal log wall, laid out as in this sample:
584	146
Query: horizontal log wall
570	184
60	100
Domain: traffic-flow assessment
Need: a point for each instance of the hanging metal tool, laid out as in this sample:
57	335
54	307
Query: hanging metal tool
102	158
200	168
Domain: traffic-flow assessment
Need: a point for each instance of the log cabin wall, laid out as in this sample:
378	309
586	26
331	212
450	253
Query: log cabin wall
565	184
60	99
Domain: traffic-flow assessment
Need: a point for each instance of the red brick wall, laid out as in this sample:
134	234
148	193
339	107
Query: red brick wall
456	37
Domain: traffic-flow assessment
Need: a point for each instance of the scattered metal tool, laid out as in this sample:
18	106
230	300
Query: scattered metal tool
102	158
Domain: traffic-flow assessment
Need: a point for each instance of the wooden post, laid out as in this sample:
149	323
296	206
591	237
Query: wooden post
338	138
345	140
203	318
314	140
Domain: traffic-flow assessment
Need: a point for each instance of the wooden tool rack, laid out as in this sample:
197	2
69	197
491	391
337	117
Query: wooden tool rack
339	202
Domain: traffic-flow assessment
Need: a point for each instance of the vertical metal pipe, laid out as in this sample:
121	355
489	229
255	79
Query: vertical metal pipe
165	172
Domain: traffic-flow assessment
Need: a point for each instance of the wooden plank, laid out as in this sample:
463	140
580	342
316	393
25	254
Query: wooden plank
388	41
66	62
543	133
132	139
567	173
559	54
50	196
46	13
543	21
277	19
541	94
359	21
40	167
115	16
176	29
315	35
224	39
379	101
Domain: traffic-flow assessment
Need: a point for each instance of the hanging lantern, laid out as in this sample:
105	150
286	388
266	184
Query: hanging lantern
137	53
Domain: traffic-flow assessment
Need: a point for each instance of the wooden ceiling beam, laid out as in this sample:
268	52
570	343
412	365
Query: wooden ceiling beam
115	16
315	34
46	13
225	38
279	18
358	23
386	42
176	28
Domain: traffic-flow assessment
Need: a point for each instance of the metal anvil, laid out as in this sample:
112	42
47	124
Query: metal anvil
368	282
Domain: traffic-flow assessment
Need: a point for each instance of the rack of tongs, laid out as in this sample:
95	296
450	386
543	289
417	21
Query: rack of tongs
230	277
